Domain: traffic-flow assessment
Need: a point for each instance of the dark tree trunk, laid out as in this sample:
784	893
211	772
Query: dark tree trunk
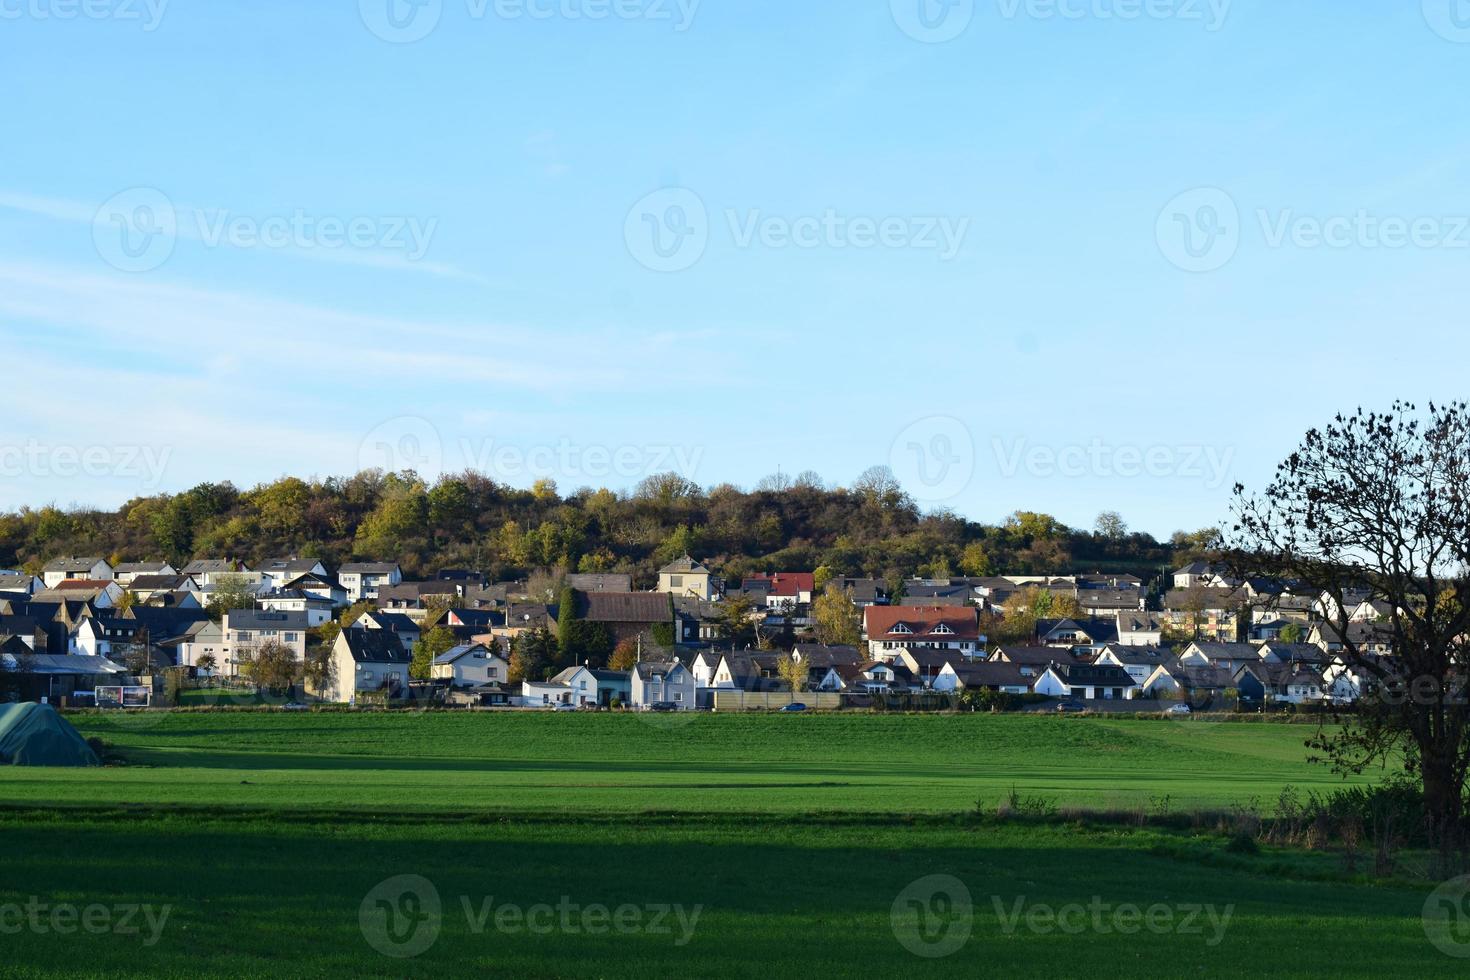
1444	809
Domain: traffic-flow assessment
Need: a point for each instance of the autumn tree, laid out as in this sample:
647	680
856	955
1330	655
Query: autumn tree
1380	503
793	672
272	666
1110	525
624	656
427	649
230	592
836	619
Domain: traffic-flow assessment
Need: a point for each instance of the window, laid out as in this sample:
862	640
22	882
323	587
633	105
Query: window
676	581
678	695
943	630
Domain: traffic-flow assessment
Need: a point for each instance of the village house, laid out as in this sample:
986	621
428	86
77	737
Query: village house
596	688
471	665
367	661
247	630
655	683
1089	682
59	570
891	629
277	572
127	571
362	580
686	577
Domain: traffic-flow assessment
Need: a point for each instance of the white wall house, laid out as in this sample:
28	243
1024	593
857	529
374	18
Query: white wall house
59	570
362	580
366	661
662	683
317	609
471	665
247	630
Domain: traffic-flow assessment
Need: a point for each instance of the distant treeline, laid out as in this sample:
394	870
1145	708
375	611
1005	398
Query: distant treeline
870	529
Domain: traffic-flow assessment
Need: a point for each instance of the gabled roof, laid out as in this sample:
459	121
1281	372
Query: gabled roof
989	674
265	619
1097	630
375	646
1092	675
601	582
1137	621
684	566
290	566
73	564
649	669
82	585
786	584
141	568
368	568
817	655
204	566
921	622
159	583
626	607
461	651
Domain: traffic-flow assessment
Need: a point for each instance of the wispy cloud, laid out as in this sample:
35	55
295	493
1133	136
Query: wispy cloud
193	224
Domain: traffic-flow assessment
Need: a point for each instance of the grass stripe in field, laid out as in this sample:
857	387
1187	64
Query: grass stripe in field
738	763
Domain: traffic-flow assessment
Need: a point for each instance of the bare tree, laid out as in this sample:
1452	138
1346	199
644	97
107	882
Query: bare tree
1377	506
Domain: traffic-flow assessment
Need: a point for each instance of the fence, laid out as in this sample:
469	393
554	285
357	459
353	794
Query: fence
775	700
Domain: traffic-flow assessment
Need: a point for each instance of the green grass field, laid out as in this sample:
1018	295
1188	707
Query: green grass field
790	845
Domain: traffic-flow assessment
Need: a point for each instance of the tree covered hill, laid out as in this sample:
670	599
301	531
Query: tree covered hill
468	520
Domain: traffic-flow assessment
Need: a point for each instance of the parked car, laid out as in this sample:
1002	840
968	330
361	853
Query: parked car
566	707
1071	707
1180	709
663	706
794	706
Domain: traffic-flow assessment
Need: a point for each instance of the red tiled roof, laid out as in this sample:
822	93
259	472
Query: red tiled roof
921	621
788	583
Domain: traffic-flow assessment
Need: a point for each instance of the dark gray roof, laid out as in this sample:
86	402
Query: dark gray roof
375	646
264	619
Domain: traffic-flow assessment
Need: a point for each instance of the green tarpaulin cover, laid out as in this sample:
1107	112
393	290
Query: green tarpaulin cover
35	735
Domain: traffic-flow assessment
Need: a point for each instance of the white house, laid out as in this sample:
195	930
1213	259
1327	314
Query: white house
662	683
595	687
209	571
1139	629
317	609
59	570
544	694
205	639
278	571
471	665
247	630
1139	662
367	661
126	571
362	580
1088	681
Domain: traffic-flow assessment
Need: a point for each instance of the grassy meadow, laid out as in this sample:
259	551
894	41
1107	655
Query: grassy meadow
756	845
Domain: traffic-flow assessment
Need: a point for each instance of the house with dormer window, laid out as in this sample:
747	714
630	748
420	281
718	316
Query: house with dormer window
892	630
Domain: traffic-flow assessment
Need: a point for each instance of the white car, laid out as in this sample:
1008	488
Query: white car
1180	709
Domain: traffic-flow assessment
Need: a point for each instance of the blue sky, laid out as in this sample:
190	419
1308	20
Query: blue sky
963	258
